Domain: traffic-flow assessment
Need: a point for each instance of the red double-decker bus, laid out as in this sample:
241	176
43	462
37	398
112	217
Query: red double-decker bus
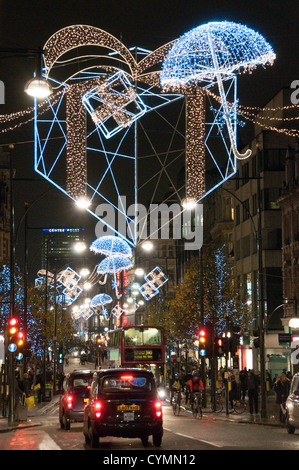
136	346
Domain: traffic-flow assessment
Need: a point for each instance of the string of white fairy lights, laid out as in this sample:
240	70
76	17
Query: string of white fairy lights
250	113
253	115
41	109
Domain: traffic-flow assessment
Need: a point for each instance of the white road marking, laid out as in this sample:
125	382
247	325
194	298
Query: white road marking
194	438
48	443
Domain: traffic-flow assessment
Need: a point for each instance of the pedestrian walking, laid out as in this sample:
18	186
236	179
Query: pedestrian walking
233	393
282	389
253	387
243	377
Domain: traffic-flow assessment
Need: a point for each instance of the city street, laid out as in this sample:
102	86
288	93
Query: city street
181	433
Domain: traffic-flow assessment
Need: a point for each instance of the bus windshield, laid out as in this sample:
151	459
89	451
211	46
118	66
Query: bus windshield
142	337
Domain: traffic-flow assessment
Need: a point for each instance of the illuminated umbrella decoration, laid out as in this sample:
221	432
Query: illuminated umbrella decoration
109	245
112	265
210	54
100	300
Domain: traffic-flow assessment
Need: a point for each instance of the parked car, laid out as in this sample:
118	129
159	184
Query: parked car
123	403
74	396
292	406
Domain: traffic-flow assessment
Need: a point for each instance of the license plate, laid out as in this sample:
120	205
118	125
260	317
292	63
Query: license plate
129	416
128	408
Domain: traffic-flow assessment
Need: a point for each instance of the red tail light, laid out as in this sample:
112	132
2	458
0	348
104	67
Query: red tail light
98	409
126	377
158	409
69	401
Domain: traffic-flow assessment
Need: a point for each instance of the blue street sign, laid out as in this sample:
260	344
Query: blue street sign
202	352
20	356
12	347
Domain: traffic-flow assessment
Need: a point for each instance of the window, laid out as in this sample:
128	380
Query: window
238	215
254	204
246	213
142	337
82	381
245	173
126	382
274	159
295	385
271	196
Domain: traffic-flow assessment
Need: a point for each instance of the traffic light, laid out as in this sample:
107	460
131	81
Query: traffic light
219	350
20	339
27	348
202	342
234	343
99	340
221	346
13	328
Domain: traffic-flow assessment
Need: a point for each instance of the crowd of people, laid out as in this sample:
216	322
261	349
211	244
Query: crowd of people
248	387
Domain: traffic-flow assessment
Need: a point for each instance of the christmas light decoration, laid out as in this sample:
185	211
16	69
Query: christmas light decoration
119	107
68	278
98	301
117	311
147	291
114	264
211	53
110	244
236	48
154	280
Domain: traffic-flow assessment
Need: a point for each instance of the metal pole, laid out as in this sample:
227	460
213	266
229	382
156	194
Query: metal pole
55	333
203	362
11	361
261	292
45	322
25	279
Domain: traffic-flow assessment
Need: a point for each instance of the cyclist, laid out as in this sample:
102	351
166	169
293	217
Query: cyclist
176	386
195	385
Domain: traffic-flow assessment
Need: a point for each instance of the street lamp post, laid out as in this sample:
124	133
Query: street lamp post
261	290
11	361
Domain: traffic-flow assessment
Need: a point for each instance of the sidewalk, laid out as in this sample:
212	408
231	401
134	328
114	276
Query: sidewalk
272	411
33	413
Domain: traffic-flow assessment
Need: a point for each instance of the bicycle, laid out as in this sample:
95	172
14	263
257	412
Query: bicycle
176	402
196	405
218	402
239	406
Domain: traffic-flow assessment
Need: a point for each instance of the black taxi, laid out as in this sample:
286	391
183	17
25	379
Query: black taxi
123	403
74	396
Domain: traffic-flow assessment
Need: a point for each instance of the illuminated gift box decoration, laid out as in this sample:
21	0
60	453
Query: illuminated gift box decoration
154	280
68	278
117	311
119	106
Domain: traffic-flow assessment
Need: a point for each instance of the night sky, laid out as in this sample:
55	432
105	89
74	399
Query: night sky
148	24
